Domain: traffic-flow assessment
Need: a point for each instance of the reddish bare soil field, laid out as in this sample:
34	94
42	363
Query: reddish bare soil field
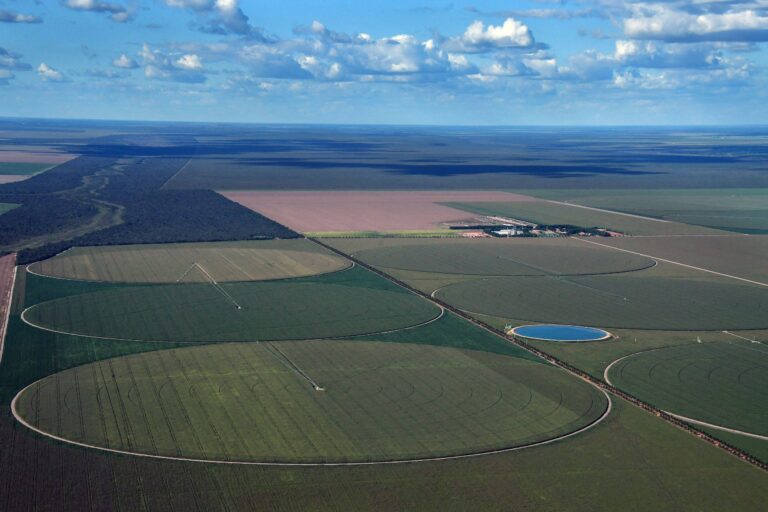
7	265
362	211
36	157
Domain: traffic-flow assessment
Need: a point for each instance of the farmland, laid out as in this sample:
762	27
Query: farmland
688	379
647	302
131	343
708	477
494	257
545	212
341	304
737	210
348	211
742	256
650	308
248	403
168	263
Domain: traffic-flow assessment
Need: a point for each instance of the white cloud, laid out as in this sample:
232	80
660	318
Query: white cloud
481	38
117	12
189	62
219	16
172	67
125	62
658	21
17	17
48	74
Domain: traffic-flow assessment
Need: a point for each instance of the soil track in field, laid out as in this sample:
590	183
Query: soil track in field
318	211
7	278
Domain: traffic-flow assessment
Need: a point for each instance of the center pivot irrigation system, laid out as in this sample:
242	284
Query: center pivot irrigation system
212	281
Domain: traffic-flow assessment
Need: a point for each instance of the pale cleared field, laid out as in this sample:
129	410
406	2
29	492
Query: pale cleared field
166	263
257	402
360	211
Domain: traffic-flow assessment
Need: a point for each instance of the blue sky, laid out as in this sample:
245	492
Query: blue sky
398	62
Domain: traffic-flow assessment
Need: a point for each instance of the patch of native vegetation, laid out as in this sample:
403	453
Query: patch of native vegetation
108	200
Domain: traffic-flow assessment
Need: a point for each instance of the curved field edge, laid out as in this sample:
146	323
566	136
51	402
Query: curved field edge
693	400
613	302
355	302
597	414
483	258
265	260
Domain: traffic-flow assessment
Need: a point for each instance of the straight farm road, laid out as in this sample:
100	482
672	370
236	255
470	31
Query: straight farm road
7	281
721	274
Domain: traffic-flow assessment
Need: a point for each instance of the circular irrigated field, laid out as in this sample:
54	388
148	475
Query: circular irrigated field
296	309
500	257
191	263
616	301
255	402
719	383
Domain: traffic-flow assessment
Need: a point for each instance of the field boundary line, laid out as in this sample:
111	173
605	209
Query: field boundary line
209	342
149	283
759	283
607	211
687	419
597	382
589	426
176	173
7	315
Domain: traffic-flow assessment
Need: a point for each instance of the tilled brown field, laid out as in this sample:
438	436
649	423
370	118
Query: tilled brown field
313	211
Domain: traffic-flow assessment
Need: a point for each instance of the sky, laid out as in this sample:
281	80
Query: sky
537	62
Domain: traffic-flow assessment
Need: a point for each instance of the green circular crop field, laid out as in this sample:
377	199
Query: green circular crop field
499	257
257	402
206	312
616	302
719	383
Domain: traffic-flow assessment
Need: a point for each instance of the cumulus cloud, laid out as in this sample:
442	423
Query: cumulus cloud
190	62
48	74
674	23
218	16
479	38
184	68
125	62
116	12
17	17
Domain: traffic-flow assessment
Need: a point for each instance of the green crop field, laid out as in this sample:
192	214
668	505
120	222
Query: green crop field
341	304
497	257
11	168
255	402
544	212
741	256
648	302
224	261
719	383
591	471
739	210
